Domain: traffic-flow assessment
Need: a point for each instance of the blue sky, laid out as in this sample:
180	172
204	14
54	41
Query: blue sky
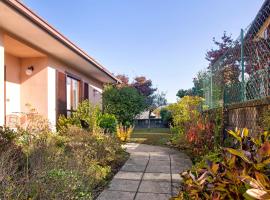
165	40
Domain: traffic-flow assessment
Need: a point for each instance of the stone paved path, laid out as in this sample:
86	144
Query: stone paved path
151	173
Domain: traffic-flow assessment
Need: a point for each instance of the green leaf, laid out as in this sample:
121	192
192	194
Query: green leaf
245	132
261	165
235	135
239	153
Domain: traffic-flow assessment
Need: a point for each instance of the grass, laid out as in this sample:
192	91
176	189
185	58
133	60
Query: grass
154	136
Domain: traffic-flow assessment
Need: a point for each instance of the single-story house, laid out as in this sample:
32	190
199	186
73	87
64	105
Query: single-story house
41	67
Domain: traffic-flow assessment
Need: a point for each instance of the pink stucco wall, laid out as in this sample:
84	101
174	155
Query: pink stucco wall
34	88
13	81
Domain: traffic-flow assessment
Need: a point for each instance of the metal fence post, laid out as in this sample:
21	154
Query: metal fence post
242	66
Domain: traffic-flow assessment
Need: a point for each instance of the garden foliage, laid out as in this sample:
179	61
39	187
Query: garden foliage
125	103
193	131
124	132
166	116
108	123
242	173
85	117
38	164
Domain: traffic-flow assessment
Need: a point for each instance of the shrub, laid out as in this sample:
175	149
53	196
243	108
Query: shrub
108	123
193	131
85	116
124	132
243	172
12	164
124	103
6	137
185	112
213	156
166	116
47	165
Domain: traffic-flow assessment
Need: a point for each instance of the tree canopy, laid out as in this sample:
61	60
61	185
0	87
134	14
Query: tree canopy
125	103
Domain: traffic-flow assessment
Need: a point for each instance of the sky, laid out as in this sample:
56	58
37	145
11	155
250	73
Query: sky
164	40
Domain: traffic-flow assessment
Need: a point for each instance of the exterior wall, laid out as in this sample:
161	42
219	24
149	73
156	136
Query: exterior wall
94	97
34	88
52	96
2	79
13	84
38	89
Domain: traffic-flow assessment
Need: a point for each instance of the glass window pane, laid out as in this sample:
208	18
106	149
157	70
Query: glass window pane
68	93
75	93
72	93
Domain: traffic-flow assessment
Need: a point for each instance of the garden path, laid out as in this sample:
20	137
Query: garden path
151	173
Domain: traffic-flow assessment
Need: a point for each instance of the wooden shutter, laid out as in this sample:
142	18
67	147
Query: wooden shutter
61	95
85	91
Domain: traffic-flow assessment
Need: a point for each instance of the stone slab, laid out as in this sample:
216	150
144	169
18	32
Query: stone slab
128	175
176	178
159	157
157	177
152	196
124	185
116	195
153	168
175	189
133	168
155	187
137	161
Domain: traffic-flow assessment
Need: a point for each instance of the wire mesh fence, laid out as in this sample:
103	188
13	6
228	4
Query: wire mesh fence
242	73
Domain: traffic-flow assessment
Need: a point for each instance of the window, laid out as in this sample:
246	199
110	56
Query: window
73	94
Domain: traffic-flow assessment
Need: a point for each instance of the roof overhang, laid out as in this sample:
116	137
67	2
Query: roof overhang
21	22
259	20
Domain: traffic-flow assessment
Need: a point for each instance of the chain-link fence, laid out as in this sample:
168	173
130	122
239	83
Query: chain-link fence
242	73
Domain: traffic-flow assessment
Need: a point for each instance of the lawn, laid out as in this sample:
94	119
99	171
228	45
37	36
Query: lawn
155	136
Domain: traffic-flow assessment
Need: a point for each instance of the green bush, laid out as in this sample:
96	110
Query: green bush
166	116
6	137
185	112
108	123
86	116
124	103
213	156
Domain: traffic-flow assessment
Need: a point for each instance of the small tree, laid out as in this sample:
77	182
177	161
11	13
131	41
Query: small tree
144	86
125	103
124	78
166	116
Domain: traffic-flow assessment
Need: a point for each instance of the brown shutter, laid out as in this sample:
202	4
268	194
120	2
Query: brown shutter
85	91
61	95
81	90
